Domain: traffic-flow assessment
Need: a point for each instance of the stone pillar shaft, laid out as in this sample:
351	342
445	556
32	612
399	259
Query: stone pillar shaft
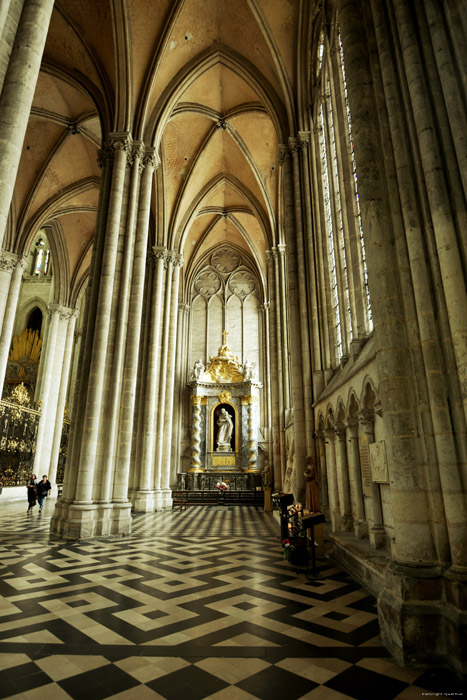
144	499
133	334
446	476
58	423
9	319
18	92
91	424
52	365
343	479
331	472
413	536
86	345
438	195
353	458
165	436
164	364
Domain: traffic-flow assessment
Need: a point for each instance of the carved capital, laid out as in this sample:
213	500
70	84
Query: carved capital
248	400
366	418
8	261
150	159
199	400
64	312
159	253
283	155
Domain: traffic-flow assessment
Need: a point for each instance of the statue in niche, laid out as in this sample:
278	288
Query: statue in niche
197	371
224	432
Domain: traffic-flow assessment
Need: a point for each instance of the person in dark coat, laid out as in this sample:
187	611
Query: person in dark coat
32	492
43	490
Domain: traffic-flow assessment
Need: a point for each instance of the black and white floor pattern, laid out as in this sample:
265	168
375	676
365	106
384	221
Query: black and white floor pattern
195	604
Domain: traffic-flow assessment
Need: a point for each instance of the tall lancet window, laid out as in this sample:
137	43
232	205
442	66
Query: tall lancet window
355	182
345	297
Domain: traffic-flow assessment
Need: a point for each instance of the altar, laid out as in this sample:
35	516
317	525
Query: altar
225	415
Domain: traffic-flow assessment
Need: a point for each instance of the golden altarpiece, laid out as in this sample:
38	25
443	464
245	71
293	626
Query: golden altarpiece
224	421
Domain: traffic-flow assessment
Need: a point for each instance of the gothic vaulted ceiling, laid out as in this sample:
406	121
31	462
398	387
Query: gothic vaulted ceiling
211	84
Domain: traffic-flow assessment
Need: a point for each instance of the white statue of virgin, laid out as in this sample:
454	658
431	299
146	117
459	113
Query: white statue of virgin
224	432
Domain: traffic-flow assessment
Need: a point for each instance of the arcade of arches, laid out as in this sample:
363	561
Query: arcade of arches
292	173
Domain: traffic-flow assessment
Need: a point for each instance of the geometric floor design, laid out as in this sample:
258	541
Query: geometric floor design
194	604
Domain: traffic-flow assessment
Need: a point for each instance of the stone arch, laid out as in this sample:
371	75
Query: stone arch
369	394
353	404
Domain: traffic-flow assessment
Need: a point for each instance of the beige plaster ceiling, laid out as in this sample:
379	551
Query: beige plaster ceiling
207	82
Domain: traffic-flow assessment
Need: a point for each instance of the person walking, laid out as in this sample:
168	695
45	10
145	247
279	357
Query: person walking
43	490
32	492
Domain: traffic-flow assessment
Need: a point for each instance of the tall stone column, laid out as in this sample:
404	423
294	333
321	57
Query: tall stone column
322	474
439	190
377	531
343	478
88	510
296	147
180	383
170	350
281	369
331	472
10	311
71	317
145	499
353	459
8	262
294	307
18	92
133	336
52	359
396	390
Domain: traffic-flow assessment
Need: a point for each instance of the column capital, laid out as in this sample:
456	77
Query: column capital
9	261
340	431
283	154
366	418
158	253
151	158
185	308
64	312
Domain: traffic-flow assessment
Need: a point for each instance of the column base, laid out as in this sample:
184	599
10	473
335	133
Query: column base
144	501
422	616
163	498
378	537
347	523
422	611
360	529
75	521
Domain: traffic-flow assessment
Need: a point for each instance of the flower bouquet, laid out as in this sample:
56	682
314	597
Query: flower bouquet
222	486
288	548
297	555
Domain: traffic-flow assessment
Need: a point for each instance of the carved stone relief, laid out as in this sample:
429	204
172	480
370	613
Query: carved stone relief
242	283
225	260
207	283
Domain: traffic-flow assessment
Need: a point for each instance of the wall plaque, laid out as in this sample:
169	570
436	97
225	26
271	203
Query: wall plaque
379	463
223	461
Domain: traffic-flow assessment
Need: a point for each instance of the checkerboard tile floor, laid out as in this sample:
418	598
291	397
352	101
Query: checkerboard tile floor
195	604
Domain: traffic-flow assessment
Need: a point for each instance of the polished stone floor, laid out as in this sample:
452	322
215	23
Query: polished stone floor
195	604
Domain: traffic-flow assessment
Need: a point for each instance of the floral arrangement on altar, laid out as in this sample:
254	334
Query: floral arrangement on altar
222	486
